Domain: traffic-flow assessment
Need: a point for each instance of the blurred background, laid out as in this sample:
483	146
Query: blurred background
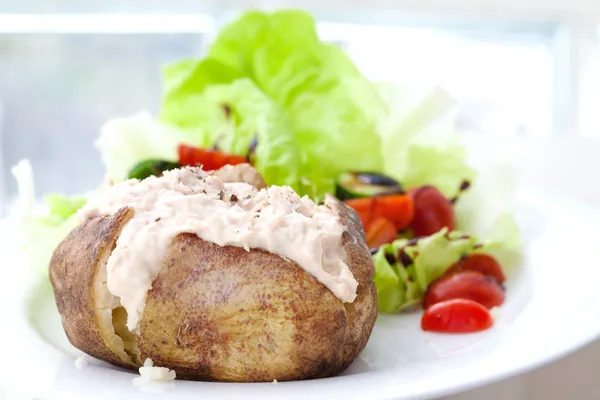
518	68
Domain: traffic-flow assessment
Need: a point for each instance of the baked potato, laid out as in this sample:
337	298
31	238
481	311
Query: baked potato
216	313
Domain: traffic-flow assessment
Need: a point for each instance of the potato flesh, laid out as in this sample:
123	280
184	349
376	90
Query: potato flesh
129	339
112	318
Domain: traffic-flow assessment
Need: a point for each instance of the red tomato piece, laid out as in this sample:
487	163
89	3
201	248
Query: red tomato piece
233	159
396	208
469	285
432	211
479	262
185	154
456	316
379	232
210	159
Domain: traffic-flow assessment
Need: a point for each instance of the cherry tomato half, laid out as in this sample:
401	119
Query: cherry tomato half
469	285
479	262
432	211
456	316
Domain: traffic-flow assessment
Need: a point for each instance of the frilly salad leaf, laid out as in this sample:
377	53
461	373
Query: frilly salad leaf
420	144
402	280
40	235
487	211
250	113
314	114
124	142
391	292
63	207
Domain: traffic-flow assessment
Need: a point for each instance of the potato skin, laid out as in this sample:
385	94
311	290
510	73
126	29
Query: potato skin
226	314
73	270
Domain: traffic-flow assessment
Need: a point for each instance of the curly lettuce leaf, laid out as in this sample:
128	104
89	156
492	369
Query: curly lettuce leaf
390	290
184	83
304	90
420	144
255	34
487	211
124	142
332	108
41	234
62	206
433	255
253	114
429	257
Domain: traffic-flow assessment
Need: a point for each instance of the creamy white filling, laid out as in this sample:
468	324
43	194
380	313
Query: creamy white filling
188	200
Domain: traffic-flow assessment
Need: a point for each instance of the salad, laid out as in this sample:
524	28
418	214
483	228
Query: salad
270	93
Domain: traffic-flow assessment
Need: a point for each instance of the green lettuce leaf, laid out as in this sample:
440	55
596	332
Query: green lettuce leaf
426	259
63	207
124	142
253	114
433	255
184	83
390	290
41	234
314	114
487	210
420	144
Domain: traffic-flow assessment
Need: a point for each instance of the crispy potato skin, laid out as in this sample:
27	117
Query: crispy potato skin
226	314
73	269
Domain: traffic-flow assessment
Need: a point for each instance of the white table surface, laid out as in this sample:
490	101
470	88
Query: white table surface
575	170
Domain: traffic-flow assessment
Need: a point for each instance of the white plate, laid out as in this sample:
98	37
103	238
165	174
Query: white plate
551	310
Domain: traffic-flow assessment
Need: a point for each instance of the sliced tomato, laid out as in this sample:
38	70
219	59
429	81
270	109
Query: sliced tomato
233	159
468	285
379	232
187	154
432	211
480	262
396	208
209	159
456	316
